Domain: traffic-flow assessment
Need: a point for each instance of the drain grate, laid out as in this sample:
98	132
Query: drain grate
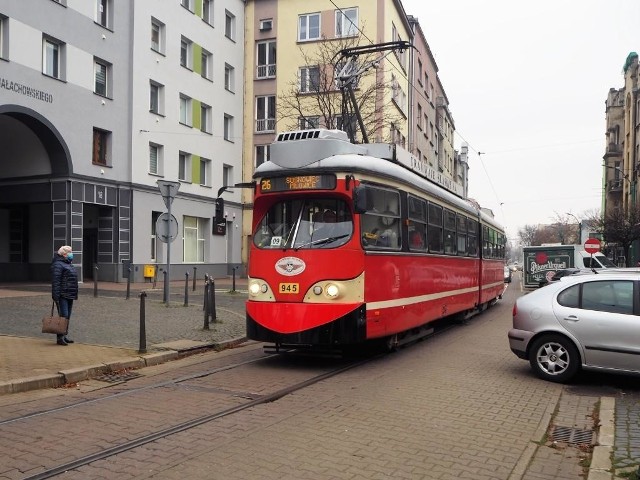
115	377
572	436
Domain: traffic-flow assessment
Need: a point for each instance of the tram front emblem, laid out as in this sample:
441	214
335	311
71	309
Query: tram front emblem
290	266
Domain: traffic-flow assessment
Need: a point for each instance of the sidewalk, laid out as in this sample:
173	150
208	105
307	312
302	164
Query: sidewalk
106	330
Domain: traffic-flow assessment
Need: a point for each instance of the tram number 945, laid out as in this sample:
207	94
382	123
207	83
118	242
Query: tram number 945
289	288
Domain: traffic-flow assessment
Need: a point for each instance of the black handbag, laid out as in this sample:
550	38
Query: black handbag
55	323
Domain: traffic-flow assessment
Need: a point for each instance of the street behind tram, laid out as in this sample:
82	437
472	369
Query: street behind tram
455	405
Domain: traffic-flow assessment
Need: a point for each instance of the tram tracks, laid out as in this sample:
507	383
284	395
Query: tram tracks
43	429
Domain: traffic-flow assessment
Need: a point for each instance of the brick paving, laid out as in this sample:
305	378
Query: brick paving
433	416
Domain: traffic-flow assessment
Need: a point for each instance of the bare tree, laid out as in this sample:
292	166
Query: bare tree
622	229
528	235
313	99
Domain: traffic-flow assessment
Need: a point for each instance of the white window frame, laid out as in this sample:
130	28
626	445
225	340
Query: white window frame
266	68
229	77
157	25
103	13
205	118
55	67
184	166
264	122
158	88
228	127
97	64
186	53
309	122
205	172
3	41
206	64
305	75
186	117
207	11
262	154
156	150
229	25
186	4
304	31
347	22
193	237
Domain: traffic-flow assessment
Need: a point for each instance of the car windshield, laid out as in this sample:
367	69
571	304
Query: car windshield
305	224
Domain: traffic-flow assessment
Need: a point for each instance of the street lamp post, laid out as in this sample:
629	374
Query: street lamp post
579	227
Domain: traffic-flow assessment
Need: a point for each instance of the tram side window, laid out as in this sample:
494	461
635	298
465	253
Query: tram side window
434	229
486	249
493	243
381	224
472	236
501	245
417	224
449	232
462	235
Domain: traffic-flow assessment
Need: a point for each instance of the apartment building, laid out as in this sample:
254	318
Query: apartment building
98	101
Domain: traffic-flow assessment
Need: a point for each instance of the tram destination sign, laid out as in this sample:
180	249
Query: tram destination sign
298	182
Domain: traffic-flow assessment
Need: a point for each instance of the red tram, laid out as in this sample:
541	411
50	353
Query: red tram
353	243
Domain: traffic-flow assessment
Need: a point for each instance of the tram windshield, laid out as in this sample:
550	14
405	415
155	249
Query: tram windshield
305	224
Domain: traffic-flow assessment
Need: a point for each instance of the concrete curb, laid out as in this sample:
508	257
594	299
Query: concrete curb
601	467
78	374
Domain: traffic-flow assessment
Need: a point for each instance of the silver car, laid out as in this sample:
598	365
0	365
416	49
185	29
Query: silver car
580	322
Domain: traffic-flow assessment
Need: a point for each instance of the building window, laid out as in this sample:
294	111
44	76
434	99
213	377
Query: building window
263	154
419	117
184	167
309	79
229	25
228	127
156	98
155	159
103	12
185	52
266	59
154	239
309	27
193	239
266	114
308	123
157	35
229	77
207	11
347	22
227	175
102	77
186	4
185	110
4	38
206	61
52	58
205	172
205	118
100	146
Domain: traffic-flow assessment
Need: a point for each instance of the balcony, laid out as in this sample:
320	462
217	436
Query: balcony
614	185
266	71
265	125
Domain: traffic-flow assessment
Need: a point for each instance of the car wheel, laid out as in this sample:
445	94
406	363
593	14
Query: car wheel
554	358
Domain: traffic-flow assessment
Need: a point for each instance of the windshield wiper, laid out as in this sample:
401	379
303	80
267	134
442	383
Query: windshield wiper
320	241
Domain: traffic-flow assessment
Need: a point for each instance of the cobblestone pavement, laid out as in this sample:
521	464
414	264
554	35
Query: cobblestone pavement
626	453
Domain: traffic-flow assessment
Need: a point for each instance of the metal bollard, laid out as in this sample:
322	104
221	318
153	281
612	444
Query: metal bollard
233	285
143	330
186	289
212	299
128	283
165	290
194	278
205	304
95	281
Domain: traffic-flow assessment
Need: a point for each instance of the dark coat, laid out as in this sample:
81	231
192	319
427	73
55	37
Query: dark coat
64	279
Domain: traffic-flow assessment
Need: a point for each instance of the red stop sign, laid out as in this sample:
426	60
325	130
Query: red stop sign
592	245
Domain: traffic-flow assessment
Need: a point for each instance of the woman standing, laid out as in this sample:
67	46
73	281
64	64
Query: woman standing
64	286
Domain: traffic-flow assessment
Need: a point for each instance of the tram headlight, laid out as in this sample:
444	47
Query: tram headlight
332	290
317	290
255	288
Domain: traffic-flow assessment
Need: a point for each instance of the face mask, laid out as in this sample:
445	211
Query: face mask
70	256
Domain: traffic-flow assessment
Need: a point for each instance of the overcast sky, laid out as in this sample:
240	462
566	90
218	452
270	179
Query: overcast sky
527	84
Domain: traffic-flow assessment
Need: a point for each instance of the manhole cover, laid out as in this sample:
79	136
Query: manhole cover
572	436
115	377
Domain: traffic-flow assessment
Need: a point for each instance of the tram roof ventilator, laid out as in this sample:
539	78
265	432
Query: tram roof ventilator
313	145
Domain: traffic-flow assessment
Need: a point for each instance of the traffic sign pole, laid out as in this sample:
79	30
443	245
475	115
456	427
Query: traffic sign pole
168	190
